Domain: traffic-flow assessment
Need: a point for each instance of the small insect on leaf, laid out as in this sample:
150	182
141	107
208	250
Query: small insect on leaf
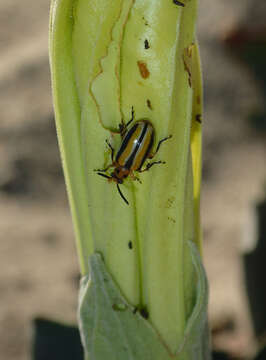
135	148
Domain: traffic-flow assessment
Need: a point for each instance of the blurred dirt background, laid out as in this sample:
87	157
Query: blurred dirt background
39	269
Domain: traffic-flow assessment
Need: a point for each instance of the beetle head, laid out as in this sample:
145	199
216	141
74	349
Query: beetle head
119	174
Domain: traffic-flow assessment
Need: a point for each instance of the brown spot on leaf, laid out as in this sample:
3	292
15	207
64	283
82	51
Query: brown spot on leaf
144	72
187	59
149	104
189	72
198	99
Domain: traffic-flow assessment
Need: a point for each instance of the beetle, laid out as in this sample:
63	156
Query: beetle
135	148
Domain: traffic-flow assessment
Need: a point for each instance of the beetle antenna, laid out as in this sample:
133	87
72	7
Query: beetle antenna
122	196
105	176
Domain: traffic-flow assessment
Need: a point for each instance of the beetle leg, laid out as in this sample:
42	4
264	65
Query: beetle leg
105	169
105	176
112	157
121	194
149	165
123	126
132	117
133	177
160	143
112	150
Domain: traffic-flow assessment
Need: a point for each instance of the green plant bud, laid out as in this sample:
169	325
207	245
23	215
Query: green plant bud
107	57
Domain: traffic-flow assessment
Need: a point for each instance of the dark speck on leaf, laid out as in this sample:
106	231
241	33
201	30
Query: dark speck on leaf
146	44
144	313
142	310
146	22
149	104
198	118
179	3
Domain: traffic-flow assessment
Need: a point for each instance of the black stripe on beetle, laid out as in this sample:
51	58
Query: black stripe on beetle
147	152
137	144
124	144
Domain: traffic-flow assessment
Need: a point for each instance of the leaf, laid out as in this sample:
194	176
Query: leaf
112	329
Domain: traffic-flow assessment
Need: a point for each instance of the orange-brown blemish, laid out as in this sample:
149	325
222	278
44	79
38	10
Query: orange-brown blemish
198	100
187	69
187	59
144	72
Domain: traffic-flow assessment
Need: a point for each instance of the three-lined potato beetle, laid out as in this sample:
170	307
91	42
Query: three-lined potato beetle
135	148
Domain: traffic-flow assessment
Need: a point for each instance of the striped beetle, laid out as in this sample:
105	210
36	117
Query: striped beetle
135	148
